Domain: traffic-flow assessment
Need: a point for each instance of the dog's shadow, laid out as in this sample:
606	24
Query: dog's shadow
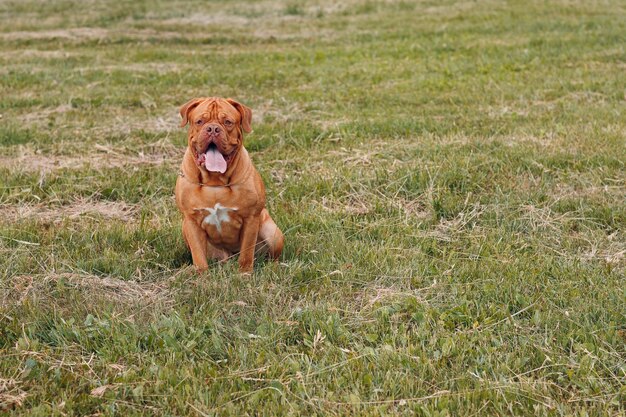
181	257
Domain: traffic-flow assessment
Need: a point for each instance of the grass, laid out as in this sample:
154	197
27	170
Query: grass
450	177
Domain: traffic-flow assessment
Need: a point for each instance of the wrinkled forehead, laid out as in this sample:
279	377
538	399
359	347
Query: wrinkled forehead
214	107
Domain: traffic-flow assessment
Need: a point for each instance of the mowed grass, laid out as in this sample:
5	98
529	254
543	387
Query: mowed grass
450	177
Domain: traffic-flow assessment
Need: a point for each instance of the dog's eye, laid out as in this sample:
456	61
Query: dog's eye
228	123
199	122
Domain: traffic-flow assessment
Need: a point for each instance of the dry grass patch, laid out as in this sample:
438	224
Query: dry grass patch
11	394
44	113
611	250
100	157
73	34
379	295
44	287
364	203
37	53
92	33
450	230
81	207
350	204
564	190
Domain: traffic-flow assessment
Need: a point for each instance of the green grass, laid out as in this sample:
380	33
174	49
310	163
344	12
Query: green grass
450	177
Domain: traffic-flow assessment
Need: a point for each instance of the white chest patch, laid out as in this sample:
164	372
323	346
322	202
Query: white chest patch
217	215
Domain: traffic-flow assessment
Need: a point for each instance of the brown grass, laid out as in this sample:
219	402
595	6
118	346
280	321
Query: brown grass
34	288
11	395
82	207
100	157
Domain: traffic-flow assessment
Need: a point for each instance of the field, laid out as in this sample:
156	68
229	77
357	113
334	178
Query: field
450	177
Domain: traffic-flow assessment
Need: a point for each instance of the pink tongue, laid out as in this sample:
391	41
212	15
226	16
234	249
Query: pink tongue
214	161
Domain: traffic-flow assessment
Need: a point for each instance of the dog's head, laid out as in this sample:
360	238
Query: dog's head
216	130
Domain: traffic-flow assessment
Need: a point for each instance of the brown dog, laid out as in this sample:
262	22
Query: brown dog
219	192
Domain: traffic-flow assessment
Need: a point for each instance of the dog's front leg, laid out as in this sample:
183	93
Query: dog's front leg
249	236
196	239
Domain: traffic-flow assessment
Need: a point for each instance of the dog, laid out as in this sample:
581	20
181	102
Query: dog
219	191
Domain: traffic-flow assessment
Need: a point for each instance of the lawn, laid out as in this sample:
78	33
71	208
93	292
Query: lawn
450	178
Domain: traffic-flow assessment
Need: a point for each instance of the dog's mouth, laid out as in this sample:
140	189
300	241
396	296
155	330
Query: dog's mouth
213	160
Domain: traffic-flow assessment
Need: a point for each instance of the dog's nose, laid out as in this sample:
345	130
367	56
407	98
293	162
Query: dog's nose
213	128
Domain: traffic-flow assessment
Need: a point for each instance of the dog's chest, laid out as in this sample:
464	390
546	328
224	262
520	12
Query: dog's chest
221	223
217	215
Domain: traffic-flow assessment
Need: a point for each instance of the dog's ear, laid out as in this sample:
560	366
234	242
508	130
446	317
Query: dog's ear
187	108
245	112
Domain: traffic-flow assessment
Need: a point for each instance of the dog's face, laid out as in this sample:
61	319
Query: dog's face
216	130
